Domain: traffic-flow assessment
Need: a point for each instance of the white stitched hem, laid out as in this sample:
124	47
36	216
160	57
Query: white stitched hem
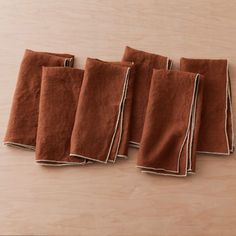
214	153
20	145
134	144
58	163
122	156
166	174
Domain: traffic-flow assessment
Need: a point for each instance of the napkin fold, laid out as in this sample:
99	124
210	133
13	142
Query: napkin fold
23	120
170	133
102	113
216	134
144	63
60	89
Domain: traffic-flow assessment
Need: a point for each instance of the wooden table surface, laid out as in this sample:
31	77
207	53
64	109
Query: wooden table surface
114	199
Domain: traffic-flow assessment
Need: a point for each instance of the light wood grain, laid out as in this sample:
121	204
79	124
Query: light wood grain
114	199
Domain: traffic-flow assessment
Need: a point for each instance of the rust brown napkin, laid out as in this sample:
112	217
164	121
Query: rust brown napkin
99	124
60	89
126	121
144	63
23	120
168	144
216	134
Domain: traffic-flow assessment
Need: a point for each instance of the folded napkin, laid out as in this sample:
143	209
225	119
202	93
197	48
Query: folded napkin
126	121
99	124
144	63
168	144
216	134
60	89
23	121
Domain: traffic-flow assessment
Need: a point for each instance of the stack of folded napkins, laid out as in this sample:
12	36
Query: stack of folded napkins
73	116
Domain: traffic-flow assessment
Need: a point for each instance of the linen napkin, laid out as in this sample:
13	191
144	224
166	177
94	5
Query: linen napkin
168	144
60	89
126	120
144	63
23	120
99	124
216	131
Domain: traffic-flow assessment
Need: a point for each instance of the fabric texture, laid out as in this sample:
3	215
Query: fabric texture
144	63
170	134
126	121
60	89
216	132
99	124
23	120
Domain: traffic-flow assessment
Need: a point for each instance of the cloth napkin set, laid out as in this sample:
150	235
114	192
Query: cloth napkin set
71	116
